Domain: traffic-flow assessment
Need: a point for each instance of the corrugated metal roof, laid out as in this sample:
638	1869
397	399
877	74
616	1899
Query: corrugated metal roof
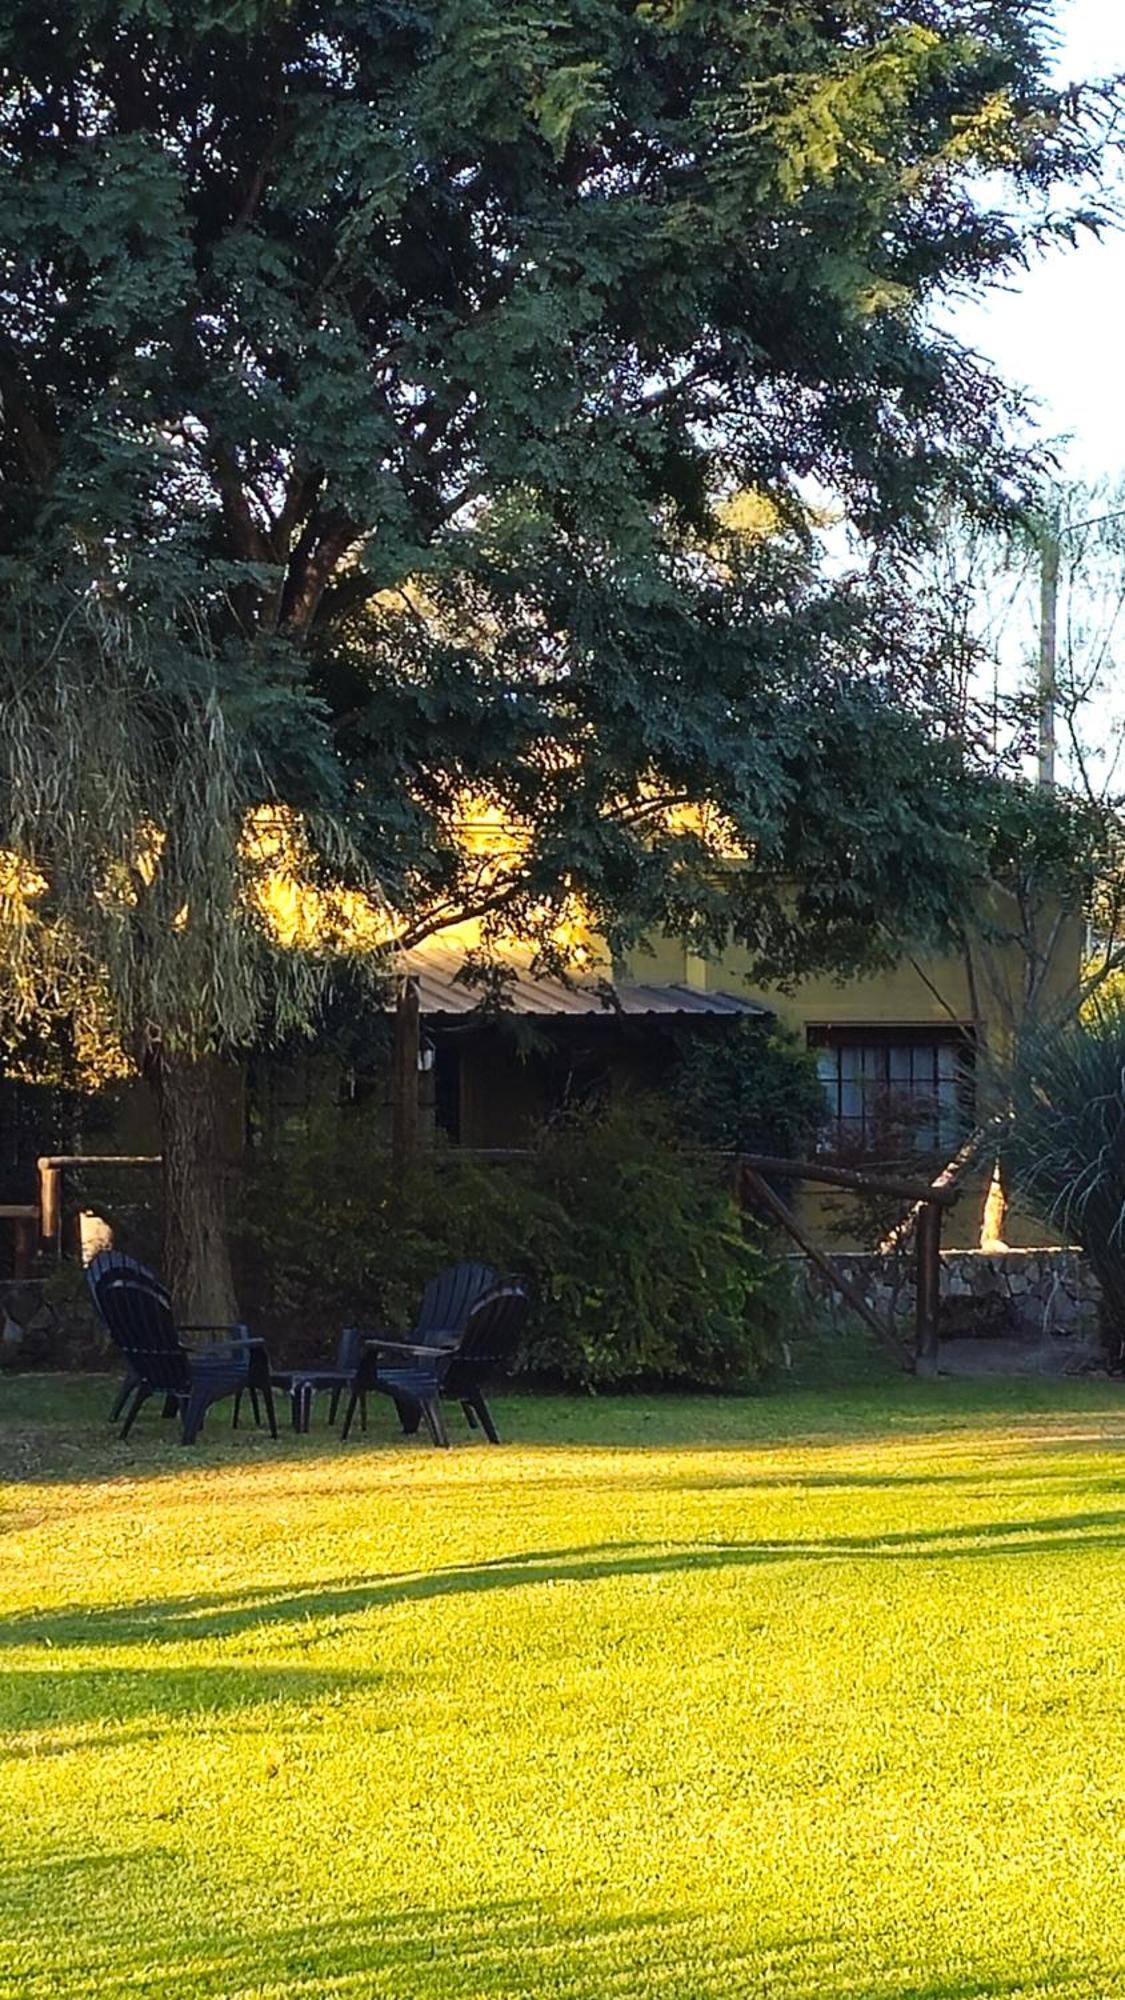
440	991
687	1000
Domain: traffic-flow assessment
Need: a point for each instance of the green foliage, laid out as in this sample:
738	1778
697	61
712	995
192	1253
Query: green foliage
1065	1150
751	1089
328	1239
641	1268
647	1270
393	360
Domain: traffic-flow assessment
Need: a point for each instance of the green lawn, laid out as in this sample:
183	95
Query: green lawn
810	1695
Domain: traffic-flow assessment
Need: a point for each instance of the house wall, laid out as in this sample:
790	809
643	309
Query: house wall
985	994
923	990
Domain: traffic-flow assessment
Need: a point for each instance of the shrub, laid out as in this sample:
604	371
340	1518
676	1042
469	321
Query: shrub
327	1238
648	1272
1065	1149
752	1090
641	1267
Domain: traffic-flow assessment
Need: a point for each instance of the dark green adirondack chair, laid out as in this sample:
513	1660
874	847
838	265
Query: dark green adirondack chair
137	1310
418	1377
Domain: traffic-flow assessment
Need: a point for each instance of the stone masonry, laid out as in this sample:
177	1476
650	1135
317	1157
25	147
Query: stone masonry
984	1293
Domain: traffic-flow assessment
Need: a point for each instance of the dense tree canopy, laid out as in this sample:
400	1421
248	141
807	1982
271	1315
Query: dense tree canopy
409	347
384	367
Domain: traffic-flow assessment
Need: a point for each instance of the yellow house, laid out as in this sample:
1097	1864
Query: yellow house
907	1045
918	1035
923	1030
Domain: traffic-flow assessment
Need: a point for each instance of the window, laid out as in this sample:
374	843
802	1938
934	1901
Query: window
895	1091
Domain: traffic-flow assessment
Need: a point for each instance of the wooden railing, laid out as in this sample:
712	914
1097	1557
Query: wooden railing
927	1201
52	1166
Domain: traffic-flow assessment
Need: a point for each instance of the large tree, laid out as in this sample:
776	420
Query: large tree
373	377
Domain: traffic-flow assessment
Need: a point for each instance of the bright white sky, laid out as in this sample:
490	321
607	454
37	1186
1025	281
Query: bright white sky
1059	333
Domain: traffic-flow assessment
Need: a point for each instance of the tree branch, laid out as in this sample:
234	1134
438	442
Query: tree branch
321	548
36	447
445	917
250	541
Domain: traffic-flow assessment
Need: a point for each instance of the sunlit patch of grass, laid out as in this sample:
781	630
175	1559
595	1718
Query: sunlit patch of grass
815	1696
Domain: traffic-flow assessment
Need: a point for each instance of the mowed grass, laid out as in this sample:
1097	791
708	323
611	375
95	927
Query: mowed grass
809	1695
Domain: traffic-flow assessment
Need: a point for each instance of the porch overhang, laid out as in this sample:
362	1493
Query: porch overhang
444	993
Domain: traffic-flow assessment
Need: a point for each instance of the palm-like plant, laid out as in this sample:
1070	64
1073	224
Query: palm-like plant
1066	1141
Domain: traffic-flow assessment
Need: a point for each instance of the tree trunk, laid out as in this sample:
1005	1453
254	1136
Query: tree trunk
197	1267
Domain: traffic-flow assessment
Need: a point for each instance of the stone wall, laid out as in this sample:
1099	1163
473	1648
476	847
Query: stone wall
984	1293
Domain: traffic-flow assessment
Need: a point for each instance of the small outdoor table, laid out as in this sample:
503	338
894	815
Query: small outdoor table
302	1385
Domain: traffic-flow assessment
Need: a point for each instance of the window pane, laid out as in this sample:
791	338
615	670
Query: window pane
948	1061
906	1092
851	1100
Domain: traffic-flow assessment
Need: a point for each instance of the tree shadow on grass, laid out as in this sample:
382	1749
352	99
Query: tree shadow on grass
50	1711
976	1477
491	1950
209	1616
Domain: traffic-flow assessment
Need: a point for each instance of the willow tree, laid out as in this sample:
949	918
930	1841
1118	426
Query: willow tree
384	364
136	892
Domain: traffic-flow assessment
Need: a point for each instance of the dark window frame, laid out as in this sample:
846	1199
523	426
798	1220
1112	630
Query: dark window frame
895	1083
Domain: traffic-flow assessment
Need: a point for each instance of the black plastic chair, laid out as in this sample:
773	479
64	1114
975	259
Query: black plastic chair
417	1377
137	1310
108	1268
447	1300
105	1269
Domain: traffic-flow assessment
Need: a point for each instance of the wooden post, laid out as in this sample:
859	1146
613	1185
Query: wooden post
404	1102
928	1289
50	1210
